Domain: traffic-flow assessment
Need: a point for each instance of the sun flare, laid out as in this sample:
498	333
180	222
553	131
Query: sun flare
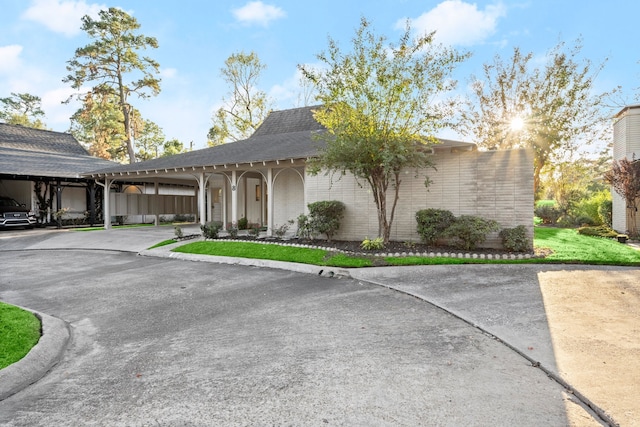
517	123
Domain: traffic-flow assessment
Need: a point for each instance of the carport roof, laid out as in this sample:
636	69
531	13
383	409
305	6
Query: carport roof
42	153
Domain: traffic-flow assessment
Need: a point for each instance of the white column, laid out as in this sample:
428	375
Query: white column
106	205
223	203
209	203
154	204
201	198
270	202
234	198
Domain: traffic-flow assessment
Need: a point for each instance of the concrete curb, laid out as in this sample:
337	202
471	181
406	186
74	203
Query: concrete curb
165	252
42	357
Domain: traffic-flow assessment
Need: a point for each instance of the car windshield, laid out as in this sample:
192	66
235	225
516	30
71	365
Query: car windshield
8	203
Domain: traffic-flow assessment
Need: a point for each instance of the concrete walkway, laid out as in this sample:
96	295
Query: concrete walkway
576	324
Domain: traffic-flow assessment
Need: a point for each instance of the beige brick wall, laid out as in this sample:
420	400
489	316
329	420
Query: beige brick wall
494	185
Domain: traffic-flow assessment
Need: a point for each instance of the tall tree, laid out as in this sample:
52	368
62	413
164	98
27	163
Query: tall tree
246	106
22	109
98	125
171	147
111	59
149	141
624	177
550	109
382	105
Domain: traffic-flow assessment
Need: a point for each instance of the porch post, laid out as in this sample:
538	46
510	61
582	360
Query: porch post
156	205
106	203
234	198
92	202
201	198
270	202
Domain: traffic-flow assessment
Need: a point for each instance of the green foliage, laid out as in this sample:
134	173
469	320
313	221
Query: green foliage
469	231
22	109
110	59
243	223
149	140
597	231
372	244
556	102
515	239
164	243
432	223
605	212
246	106
325	217
548	213
233	232
379	105
304	227
254	231
590	206
282	230
19	332
172	147
178	232
210	230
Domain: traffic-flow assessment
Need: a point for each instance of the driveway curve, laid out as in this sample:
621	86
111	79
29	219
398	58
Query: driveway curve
175	342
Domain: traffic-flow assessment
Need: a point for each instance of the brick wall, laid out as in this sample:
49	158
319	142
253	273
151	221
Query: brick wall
494	185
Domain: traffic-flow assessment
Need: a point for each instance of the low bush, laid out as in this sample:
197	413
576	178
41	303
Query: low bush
598	231
548	213
515	239
178	232
243	223
210	230
432	223
325	217
372	244
468	231
304	227
605	212
233	232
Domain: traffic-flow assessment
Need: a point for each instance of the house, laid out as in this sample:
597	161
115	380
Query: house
37	163
626	144
265	180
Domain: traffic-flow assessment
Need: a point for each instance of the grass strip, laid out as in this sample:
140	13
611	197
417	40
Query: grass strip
19	332
164	243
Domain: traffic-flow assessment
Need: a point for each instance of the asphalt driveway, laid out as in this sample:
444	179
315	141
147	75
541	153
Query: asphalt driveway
159	341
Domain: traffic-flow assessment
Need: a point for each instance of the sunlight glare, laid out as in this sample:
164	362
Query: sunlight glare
517	123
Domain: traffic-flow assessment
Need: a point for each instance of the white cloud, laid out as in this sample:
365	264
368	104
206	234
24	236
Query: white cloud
10	58
61	16
256	12
168	73
458	23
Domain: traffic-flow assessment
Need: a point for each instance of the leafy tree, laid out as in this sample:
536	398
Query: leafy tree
98	124
110	59
149	140
246	107
22	109
171	147
550	109
624	177
381	109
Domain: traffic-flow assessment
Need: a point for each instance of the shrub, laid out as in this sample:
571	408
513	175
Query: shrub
372	244
432	223
469	231
548	213
178	232
183	218
282	230
515	239
304	227
233	232
599	231
254	231
325	216
243	223
210	230
605	212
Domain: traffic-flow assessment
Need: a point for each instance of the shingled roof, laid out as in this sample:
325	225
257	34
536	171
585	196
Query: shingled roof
284	135
28	152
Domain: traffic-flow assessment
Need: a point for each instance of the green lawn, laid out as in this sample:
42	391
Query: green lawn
567	246
19	332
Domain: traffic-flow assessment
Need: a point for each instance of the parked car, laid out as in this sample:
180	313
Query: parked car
13	214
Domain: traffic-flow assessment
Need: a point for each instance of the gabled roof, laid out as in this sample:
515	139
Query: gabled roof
41	153
289	121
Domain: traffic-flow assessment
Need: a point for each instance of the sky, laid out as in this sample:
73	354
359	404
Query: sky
195	37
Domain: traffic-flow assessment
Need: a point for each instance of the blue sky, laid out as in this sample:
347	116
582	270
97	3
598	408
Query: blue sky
38	37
